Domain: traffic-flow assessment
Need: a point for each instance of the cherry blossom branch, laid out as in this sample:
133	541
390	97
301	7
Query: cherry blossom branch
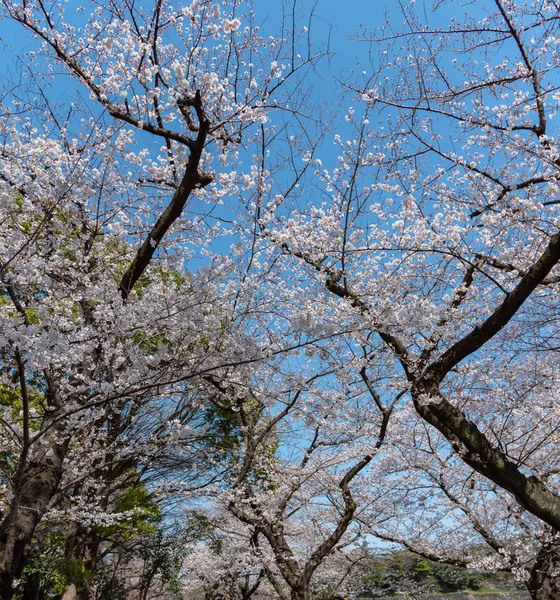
509	268
513	301
448	560
114	110
193	179
487	535
459	295
541	128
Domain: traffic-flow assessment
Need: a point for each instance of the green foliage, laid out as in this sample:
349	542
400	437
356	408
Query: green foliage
396	564
423	569
144	516
386	576
10	396
10	399
200	527
383	575
222	433
162	557
149	343
376	575
455	579
49	565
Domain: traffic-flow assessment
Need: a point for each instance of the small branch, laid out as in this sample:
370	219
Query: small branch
509	268
460	295
24	399
192	179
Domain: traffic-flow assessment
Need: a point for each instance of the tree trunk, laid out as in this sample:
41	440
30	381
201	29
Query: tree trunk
301	593
40	479
70	593
91	550
82	546
544	581
32	589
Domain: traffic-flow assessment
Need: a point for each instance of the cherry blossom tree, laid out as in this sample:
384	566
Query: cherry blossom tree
364	348
111	296
301	506
436	236
49	406
226	564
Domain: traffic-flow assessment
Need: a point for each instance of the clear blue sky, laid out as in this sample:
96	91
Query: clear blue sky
341	18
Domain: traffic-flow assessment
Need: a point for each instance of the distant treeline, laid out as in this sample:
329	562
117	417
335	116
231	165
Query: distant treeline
403	572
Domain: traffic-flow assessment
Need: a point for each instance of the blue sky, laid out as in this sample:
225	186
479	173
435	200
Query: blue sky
330	17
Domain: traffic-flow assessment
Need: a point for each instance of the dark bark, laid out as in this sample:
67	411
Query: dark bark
193	178
297	578
544	581
40	479
301	593
466	438
513	301
475	449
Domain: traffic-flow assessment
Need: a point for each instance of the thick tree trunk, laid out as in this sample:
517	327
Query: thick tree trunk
544	582
481	454
39	481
